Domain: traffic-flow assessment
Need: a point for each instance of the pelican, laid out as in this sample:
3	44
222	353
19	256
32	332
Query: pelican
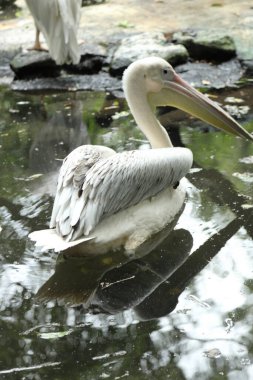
106	200
58	21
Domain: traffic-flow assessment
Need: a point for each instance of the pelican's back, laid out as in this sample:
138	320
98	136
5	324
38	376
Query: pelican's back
58	21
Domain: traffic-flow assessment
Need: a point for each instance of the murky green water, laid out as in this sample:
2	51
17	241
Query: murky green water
166	315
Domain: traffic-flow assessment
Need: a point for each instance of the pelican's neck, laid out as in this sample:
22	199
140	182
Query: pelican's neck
144	116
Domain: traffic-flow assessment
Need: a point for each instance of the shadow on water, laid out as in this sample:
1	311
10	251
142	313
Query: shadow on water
181	308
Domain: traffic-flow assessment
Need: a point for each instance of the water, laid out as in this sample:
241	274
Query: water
165	315
8	9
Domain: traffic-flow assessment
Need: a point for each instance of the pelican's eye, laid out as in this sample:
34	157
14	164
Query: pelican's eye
167	74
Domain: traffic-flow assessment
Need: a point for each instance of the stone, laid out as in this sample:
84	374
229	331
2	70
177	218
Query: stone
34	64
211	45
243	41
144	45
6	74
96	82
206	75
248	64
92	59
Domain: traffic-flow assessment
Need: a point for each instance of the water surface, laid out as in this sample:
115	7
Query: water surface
181	310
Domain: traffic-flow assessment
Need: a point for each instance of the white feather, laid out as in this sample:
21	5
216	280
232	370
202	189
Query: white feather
58	21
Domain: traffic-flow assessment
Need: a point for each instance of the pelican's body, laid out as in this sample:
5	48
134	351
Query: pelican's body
58	21
107	200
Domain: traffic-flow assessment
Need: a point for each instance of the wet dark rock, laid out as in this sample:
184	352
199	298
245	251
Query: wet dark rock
144	45
92	59
6	74
90	2
206	75
248	64
97	82
207	44
34	64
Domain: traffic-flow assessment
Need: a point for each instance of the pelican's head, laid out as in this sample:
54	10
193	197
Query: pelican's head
163	86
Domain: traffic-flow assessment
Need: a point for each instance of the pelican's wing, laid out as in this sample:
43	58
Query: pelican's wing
71	178
58	21
116	183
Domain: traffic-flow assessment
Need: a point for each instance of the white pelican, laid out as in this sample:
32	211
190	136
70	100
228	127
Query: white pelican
105	199
58	21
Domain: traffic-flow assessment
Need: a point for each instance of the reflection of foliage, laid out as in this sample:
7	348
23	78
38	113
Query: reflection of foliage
221	151
7	3
32	126
90	2
7	9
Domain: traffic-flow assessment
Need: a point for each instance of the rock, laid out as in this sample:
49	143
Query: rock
243	41
92	59
248	64
205	75
145	45
6	74
97	82
207	44
34	64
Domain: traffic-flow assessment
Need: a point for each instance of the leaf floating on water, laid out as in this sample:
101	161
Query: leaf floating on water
34	176
246	206
113	354
233	100
247	160
121	114
54	335
31	368
195	170
214	353
197	300
34	328
245	177
30	178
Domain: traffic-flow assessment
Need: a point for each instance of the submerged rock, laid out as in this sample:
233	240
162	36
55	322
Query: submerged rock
145	45
207	44
97	82
206	75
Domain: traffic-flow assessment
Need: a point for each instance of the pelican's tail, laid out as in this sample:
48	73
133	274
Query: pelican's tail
49	239
62	36
58	21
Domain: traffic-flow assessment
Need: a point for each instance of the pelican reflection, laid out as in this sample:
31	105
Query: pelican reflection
114	282
149	284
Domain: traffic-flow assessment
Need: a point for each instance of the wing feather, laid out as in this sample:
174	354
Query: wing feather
113	183
71	177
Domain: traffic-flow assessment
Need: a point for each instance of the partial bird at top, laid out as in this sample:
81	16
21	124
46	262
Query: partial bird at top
58	21
106	200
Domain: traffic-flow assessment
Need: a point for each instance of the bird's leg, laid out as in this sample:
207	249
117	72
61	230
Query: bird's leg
37	45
